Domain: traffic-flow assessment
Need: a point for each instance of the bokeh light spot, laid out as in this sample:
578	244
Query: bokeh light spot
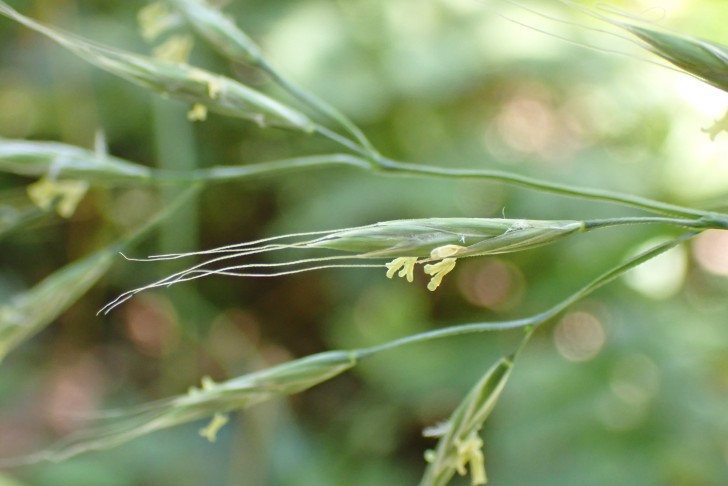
151	324
633	385
494	284
661	277
18	113
579	336
74	392
711	251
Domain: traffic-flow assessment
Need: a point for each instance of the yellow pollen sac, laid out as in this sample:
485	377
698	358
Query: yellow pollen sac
207	384
470	451
66	194
210	431
438	271
405	265
446	251
198	112
175	49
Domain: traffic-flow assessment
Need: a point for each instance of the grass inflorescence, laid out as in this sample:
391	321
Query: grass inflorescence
62	175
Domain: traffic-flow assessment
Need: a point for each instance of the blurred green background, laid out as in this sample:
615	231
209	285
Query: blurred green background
629	387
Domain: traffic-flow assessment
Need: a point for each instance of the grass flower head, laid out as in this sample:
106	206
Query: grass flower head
436	243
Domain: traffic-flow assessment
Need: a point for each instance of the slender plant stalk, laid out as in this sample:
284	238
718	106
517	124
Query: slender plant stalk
403	168
236	45
40	158
166	77
530	323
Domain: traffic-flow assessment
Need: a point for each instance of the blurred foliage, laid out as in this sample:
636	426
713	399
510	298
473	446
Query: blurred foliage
629	387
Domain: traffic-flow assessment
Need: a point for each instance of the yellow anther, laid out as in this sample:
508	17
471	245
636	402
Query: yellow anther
446	251
206	385
438	271
175	49
65	194
470	451
198	112
405	265
210	431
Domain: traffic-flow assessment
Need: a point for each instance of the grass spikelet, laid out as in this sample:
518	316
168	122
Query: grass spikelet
181	81
409	242
210	400
460	447
25	314
233	43
703	59
471	237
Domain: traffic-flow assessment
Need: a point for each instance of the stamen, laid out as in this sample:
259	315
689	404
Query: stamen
217	422
446	251
438	271
405	265
198	112
470	451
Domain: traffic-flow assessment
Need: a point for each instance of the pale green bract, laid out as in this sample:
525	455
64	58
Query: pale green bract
465	236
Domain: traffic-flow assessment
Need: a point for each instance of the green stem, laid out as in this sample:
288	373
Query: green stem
35	159
707	221
345	142
605	223
317	104
389	167
244	172
374	160
236	45
402	168
529	323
